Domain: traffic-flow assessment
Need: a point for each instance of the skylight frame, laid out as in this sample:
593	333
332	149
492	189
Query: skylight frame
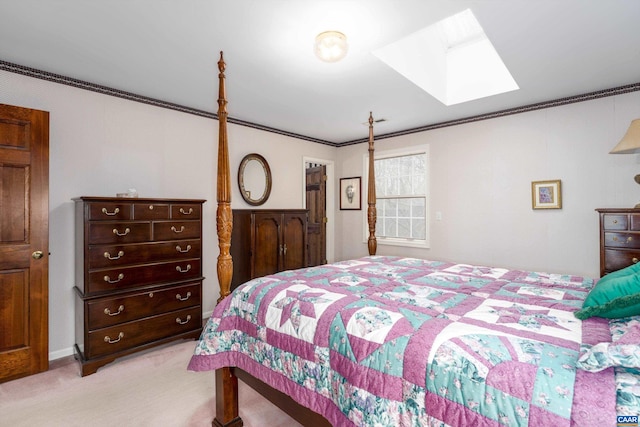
453	60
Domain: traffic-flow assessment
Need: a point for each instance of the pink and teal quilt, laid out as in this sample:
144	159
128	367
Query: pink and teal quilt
390	341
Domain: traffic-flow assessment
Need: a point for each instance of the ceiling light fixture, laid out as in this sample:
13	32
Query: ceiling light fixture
331	46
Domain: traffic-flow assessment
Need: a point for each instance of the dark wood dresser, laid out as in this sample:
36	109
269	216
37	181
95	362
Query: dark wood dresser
619	238
266	242
138	275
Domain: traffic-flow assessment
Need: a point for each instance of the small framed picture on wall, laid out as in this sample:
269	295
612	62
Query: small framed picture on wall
350	193
546	194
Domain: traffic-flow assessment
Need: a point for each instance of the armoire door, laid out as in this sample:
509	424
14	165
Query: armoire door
267	245
24	241
294	243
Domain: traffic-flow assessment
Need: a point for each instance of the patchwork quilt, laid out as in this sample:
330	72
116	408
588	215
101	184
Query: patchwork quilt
390	341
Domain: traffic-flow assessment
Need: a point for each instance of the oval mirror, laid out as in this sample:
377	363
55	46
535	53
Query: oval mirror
254	179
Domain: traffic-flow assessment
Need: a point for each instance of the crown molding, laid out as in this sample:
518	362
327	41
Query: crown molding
81	84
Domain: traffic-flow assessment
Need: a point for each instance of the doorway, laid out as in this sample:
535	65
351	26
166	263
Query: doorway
318	197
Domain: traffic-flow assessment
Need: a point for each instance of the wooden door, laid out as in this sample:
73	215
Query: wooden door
267	244
294	241
316	182
24	242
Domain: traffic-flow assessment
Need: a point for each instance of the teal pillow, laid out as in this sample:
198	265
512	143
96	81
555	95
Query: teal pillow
632	269
616	295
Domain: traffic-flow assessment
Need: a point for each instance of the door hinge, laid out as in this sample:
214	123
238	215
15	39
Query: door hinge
324	177
325	219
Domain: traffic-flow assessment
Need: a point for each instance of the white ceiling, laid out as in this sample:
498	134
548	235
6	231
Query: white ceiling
168	50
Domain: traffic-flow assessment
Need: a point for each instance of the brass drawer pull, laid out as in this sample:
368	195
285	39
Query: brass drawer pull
629	239
183	212
178	296
106	212
108	279
110	341
180	322
634	260
184	251
126	231
108	255
109	313
180	270
175	230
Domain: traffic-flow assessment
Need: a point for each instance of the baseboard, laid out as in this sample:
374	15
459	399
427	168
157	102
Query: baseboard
66	352
59	354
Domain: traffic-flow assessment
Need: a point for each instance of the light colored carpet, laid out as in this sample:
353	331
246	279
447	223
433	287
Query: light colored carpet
147	389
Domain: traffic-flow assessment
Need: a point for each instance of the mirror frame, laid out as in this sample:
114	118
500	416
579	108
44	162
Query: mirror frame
267	176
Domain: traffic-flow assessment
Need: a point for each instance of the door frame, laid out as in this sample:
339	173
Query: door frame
330	202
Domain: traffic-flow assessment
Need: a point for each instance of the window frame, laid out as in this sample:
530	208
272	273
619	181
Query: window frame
400	241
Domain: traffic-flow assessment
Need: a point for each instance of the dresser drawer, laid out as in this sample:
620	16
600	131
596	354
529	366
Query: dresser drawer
122	278
111	311
186	211
174	230
130	334
106	256
119	232
617	259
634	224
109	211
622	240
150	211
615	222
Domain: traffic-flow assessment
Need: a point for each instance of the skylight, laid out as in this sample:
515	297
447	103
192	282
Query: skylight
453	60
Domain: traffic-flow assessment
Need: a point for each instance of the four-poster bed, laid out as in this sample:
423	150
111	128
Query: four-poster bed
402	341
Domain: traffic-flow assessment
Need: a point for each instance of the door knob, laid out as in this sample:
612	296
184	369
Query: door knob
37	255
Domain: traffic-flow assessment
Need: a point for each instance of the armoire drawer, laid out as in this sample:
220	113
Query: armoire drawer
127	335
109	311
143	211
106	256
175	230
130	277
186	211
119	232
109	211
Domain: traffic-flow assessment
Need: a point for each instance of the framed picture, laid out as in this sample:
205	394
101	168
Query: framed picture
546	194
350	193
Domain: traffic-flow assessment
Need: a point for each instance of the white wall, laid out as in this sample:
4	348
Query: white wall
102	145
481	176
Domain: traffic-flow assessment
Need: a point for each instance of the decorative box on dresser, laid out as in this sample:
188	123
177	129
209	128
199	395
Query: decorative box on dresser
619	238
138	275
267	241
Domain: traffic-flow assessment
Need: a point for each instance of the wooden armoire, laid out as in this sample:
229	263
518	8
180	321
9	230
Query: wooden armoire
267	241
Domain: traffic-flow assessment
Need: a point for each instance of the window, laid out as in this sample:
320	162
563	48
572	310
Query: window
401	194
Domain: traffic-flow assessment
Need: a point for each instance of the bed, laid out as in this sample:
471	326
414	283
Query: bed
396	341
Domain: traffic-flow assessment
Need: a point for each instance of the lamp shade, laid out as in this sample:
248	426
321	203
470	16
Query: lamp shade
630	143
331	46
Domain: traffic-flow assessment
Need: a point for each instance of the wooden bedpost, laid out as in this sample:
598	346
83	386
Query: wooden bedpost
226	381
371	195
224	217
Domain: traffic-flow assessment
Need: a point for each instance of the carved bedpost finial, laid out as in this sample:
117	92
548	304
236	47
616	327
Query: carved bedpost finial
221	63
371	195
224	217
